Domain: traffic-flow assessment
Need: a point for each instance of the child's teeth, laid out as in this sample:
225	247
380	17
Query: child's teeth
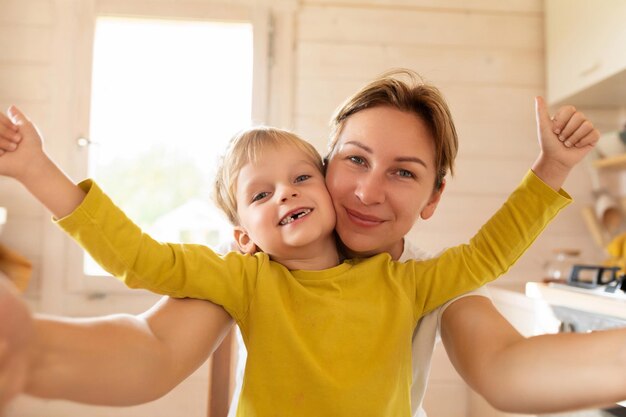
294	217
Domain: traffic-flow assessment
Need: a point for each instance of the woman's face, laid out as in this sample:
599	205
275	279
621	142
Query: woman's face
381	178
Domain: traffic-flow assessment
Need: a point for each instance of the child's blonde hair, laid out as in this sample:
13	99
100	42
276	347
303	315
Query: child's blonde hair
405	90
247	147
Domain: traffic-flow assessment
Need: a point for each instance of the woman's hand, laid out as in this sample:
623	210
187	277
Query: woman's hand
16	336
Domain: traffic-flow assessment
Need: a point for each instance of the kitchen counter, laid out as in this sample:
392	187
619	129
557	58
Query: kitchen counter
590	301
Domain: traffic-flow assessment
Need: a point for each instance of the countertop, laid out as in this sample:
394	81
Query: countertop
578	299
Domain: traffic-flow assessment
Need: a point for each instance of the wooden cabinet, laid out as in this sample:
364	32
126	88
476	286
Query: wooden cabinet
586	52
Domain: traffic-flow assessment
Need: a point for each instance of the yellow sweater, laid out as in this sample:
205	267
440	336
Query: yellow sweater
335	342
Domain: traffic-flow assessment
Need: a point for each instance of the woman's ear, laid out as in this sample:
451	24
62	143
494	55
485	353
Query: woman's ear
429	210
244	242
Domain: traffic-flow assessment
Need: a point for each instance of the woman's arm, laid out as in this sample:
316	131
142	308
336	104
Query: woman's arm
16	335
124	359
539	374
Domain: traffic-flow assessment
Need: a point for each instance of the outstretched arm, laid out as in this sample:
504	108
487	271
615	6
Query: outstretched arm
30	165
16	335
121	359
540	374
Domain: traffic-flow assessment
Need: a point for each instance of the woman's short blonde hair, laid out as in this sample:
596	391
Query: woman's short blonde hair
405	90
247	147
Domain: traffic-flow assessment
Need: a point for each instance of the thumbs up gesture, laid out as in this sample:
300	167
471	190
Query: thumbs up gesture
566	137
564	140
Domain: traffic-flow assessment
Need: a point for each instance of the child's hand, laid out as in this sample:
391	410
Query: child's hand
566	137
16	162
9	135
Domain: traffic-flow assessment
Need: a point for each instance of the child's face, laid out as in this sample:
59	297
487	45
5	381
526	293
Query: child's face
283	205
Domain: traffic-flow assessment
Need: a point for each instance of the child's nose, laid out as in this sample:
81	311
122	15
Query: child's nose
287	193
285	198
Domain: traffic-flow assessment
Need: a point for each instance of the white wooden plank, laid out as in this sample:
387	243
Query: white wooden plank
24	82
514	105
239	10
493	140
477	103
468	214
320	97
435	63
511	6
496	140
385	26
499	176
29	12
25	44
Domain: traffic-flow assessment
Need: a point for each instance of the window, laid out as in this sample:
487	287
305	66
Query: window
166	95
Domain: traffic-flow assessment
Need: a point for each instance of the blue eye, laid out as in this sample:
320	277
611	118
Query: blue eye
357	160
260	196
406	174
303	177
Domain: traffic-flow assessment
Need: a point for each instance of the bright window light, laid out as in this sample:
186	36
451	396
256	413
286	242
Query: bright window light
166	97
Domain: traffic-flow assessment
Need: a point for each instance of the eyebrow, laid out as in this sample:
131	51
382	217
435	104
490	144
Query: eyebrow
397	159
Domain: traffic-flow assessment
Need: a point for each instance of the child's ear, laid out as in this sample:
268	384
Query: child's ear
244	242
429	210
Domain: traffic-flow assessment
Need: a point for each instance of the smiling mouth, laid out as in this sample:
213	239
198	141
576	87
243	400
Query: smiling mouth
293	216
364	219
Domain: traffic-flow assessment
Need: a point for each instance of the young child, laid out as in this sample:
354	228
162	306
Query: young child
299	308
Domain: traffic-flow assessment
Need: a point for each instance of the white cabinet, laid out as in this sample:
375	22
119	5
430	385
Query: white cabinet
586	52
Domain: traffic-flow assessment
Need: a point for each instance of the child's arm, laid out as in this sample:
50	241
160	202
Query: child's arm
509	232
119	245
30	165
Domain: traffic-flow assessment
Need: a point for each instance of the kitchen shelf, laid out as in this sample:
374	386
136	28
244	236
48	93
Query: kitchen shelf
613	162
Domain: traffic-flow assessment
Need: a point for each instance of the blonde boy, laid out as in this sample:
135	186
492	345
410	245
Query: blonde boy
300	309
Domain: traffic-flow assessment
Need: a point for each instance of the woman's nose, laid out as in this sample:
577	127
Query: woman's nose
370	190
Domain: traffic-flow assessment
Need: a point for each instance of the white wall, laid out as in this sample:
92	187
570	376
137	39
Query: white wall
487	56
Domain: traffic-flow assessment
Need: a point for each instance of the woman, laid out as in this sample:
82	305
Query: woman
377	201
